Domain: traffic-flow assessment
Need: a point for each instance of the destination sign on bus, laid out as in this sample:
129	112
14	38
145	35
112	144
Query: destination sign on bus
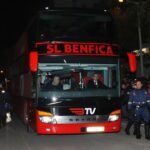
70	48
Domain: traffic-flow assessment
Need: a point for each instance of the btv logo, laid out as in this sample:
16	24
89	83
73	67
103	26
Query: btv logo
83	111
90	111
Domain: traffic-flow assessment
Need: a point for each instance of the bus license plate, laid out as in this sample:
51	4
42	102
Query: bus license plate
95	129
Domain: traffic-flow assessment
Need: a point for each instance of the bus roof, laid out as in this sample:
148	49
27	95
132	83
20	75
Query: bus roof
76	10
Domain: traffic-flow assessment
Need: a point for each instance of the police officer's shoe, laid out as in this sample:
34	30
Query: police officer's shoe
127	131
147	131
134	132
137	130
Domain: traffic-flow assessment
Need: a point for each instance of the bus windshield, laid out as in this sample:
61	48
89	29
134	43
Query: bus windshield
76	80
77	25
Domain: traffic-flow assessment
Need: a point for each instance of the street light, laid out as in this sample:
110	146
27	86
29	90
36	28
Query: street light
138	4
1	71
121	1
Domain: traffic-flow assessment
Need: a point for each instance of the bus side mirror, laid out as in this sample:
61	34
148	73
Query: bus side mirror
33	61
132	62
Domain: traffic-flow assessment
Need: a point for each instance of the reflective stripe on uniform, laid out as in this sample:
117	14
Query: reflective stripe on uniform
129	103
137	106
139	103
148	101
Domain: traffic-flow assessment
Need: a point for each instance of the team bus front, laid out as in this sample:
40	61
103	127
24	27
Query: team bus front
72	82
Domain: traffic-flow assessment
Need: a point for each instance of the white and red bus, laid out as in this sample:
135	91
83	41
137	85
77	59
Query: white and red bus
74	45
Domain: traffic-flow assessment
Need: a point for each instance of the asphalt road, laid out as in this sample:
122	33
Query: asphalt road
15	137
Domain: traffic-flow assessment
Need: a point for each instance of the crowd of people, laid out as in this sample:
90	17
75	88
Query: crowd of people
135	95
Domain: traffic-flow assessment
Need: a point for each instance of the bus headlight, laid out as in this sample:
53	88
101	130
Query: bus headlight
45	119
113	118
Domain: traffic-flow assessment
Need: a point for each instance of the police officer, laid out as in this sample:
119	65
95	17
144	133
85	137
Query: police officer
130	113
125	92
4	105
139	103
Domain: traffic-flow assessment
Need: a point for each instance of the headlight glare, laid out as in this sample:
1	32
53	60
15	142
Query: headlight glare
45	119
113	118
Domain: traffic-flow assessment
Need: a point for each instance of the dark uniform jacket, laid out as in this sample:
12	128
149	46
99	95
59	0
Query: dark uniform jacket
95	84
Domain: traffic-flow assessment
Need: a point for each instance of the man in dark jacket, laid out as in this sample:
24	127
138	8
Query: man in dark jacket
95	82
55	84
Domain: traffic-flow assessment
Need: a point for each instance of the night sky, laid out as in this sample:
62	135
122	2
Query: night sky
14	16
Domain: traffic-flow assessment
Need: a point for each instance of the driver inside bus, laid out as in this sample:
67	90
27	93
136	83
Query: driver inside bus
55	84
95	82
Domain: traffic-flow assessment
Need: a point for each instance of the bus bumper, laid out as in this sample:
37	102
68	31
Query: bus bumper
42	128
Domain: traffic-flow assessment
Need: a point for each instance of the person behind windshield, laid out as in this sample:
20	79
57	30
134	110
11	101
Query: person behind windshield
48	80
95	82
55	84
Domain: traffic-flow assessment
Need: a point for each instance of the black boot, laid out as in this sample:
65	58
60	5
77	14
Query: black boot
137	130
147	131
3	121
127	129
134	130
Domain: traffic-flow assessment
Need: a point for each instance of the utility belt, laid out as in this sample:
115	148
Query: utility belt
139	104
